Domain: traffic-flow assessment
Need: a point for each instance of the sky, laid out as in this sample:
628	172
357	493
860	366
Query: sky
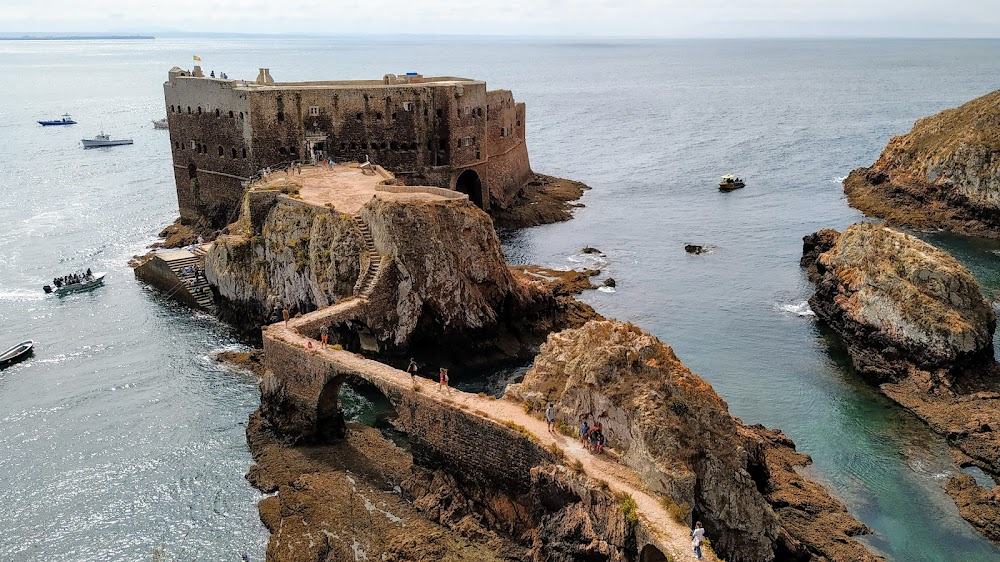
629	18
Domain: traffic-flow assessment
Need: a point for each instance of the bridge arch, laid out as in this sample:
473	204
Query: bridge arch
469	183
652	554
372	406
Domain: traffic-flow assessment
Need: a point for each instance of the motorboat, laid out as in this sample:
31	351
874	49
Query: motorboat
160	123
65	120
104	140
17	353
74	284
730	182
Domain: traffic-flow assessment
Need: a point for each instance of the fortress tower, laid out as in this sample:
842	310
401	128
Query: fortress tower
443	131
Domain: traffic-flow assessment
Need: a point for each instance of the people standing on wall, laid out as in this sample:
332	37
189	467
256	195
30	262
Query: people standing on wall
324	334
284	314
412	369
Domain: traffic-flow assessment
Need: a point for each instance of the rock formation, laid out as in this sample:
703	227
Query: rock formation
671	427
915	322
944	173
441	275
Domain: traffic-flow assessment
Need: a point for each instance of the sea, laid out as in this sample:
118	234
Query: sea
122	439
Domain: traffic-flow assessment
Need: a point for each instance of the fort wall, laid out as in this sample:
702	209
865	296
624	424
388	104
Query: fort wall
430	130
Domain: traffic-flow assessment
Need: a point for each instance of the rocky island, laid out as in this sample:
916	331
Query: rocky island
942	174
915	322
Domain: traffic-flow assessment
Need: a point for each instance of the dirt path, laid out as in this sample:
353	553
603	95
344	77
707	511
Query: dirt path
669	534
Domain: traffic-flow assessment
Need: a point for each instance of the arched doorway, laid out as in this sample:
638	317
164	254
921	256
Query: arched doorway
469	183
330	423
651	554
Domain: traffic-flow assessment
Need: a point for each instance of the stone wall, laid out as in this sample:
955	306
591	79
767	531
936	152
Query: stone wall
475	448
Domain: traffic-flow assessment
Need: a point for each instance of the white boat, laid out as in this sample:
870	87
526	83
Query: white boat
17	353
160	123
85	283
104	140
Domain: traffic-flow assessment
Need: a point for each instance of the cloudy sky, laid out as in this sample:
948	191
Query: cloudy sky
661	18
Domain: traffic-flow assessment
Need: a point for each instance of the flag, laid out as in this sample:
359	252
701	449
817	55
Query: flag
197	58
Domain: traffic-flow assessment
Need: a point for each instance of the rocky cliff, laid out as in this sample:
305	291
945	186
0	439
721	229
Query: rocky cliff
441	282
914	321
945	173
671	427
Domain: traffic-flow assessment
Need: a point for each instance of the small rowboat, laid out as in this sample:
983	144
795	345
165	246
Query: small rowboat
17	353
160	123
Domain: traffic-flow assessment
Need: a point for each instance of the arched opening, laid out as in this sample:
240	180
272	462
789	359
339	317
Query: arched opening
230	114
470	184
192	170
652	554
233	152
348	398
244	153
221	151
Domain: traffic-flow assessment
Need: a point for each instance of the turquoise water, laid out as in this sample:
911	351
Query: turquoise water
121	435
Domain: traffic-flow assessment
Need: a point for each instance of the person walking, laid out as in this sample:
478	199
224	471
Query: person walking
444	380
550	417
284	314
584	430
697	537
412	369
324	335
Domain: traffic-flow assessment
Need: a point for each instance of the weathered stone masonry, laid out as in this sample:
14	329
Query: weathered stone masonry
446	132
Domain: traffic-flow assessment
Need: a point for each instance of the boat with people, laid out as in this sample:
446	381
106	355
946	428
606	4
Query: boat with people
104	140
160	123
19	352
730	182
75	282
65	120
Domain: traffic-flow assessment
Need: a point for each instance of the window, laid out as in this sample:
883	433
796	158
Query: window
217	113
282	151
281	116
394	145
221	151
359	116
439	113
314	110
194	145
479	111
343	146
241	116
234	154
230	114
199	110
466	141
503	133
244	154
189	110
171	109
393	115
407	106
378	115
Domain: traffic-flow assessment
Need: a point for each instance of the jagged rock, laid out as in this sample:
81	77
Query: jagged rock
978	506
591	250
900	304
610	282
674	430
944	173
694	249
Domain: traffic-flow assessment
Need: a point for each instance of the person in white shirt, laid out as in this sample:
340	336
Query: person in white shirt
550	417
697	537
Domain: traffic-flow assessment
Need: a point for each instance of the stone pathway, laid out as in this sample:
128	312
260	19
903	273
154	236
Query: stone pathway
671	536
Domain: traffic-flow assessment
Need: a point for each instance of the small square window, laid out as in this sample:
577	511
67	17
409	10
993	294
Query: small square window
314	110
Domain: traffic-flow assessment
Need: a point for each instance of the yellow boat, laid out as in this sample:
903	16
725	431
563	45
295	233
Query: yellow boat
730	182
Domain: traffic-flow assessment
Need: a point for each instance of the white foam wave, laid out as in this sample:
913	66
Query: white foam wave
800	309
839	180
20	295
607	289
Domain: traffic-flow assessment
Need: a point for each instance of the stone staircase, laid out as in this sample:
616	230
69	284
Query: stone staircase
366	281
191	272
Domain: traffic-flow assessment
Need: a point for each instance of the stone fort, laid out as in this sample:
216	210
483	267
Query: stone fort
445	132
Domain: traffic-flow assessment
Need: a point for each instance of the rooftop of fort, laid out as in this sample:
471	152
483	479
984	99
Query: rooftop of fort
264	81
347	187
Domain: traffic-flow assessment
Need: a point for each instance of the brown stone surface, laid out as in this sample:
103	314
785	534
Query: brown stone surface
563	283
545	200
675	432
978	506
177	235
942	174
252	361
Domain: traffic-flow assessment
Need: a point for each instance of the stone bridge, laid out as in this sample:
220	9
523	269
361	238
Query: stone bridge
488	441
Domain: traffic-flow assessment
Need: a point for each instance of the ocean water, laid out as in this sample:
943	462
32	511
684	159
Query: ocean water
121	436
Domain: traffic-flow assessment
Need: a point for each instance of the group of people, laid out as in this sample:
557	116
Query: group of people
223	76
592	436
294	167
442	376
73	278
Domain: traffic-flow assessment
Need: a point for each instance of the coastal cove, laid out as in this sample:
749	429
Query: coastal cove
119	363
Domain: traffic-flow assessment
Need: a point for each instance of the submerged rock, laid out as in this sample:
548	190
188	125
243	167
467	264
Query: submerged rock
694	249
671	427
944	173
